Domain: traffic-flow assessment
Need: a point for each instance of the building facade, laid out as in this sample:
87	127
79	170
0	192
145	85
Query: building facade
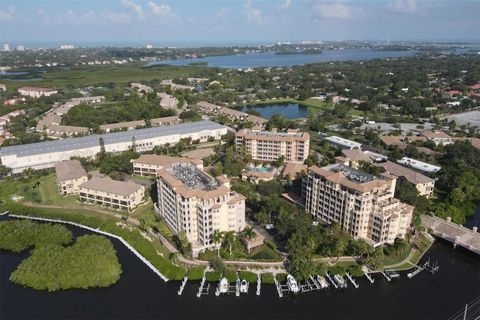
36	92
197	204
112	194
46	154
70	175
293	145
362	204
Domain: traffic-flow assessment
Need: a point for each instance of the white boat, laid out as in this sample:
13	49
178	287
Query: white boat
223	285
292	284
323	282
340	281
392	274
244	286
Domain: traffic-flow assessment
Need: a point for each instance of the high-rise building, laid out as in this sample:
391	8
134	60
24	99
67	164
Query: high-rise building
362	204
20	48
293	145
6	47
193	202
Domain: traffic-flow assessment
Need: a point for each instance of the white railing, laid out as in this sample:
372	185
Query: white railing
125	243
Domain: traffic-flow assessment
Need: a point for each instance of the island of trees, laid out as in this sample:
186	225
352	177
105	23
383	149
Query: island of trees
55	263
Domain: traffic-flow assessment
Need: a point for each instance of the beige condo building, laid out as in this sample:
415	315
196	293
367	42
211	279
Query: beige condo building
197	204
362	204
70	175
111	193
293	145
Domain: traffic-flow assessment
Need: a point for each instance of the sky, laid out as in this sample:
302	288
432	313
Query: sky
163	21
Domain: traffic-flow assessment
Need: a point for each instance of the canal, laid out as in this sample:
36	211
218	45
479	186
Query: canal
142	294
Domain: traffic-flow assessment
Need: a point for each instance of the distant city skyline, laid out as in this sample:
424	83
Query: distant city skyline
235	22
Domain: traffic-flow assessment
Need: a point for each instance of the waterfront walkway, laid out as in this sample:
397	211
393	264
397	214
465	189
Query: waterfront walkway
457	234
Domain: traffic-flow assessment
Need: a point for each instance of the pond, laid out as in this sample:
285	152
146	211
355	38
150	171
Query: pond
290	110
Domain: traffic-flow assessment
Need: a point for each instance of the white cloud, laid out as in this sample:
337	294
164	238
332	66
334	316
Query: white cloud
120	18
285	5
333	10
7	15
159	9
222	13
253	15
135	7
402	6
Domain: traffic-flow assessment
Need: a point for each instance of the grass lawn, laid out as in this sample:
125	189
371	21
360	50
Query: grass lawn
397	257
281	277
230	275
249	276
267	278
212	276
42	190
195	273
264	253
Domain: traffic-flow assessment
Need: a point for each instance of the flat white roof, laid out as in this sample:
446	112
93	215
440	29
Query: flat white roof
108	138
344	142
419	165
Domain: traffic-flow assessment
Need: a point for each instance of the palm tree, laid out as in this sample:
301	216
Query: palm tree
217	237
248	234
229	240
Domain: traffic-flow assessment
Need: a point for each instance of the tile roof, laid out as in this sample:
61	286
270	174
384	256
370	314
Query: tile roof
109	185
69	170
400	171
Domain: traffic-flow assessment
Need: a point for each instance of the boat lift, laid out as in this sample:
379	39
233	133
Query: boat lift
426	266
369	277
182	286
332	281
202	290
259	283
352	280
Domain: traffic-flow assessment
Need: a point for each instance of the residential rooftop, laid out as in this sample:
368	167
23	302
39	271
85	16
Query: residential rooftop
69	170
106	184
192	177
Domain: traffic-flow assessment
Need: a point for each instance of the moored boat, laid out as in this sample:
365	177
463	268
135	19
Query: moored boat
292	284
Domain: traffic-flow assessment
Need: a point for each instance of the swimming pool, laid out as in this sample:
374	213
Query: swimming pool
262	169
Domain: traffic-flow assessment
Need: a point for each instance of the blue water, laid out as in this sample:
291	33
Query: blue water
13	73
290	110
270	59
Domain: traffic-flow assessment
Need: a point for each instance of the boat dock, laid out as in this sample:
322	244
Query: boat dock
280	288
386	276
259	284
309	285
331	280
182	286
351	280
202	290
369	277
426	266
